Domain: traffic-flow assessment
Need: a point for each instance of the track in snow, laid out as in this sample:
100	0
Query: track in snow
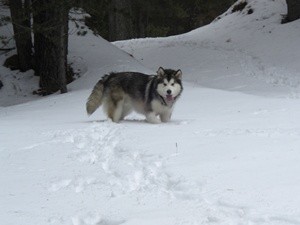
123	172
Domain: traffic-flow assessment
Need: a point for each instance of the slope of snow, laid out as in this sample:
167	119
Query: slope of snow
229	155
251	53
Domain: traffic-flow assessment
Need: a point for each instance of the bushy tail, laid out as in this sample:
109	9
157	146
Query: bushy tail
95	98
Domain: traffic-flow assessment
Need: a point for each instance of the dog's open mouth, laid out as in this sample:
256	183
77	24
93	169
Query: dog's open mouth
169	98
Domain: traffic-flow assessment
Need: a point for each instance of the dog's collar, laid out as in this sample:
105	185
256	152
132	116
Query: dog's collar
162	100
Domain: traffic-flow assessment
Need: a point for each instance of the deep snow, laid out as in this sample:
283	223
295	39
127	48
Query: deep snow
229	155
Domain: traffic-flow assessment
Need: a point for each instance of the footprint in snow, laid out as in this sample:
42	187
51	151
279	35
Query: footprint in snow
122	170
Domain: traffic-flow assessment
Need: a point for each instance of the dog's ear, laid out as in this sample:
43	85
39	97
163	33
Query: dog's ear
160	72
178	74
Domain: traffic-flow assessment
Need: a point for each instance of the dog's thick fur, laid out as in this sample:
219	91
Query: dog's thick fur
150	95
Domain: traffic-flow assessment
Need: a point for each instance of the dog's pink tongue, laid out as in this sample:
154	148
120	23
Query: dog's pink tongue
169	98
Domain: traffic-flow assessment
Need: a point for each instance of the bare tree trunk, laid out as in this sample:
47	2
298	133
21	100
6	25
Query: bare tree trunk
50	45
22	32
63	48
120	20
142	24
293	10
141	16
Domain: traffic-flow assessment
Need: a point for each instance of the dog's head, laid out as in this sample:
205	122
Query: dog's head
169	84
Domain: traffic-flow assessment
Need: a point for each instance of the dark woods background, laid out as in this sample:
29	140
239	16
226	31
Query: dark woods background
124	19
41	28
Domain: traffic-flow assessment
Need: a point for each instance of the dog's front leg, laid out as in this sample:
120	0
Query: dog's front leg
152	118
166	116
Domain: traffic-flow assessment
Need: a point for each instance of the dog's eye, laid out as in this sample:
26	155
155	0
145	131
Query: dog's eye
165	84
172	84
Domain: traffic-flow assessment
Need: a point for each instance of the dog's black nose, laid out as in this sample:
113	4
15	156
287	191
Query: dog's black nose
169	92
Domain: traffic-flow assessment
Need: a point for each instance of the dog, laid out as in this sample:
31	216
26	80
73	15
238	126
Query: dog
151	95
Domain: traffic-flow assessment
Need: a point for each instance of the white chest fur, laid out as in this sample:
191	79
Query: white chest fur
159	108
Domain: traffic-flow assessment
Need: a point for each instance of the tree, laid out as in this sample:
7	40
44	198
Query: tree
120	20
50	44
50	28
293	8
20	15
124	19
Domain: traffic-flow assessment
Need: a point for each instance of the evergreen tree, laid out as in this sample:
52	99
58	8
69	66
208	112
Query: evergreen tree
50	28
120	20
124	19
20	14
50	44
293	7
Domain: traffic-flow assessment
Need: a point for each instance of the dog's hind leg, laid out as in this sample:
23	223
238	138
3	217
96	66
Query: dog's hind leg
115	110
115	105
127	108
117	116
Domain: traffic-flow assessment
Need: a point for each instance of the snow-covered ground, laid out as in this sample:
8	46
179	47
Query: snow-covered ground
229	156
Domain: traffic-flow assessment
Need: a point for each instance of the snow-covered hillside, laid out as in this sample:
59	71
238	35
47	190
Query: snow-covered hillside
251	53
229	156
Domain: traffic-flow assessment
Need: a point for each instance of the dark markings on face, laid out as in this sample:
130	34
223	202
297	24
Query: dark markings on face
168	75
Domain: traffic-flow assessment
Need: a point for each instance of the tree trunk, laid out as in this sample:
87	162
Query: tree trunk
22	32
120	20
293	10
142	20
63	48
50	45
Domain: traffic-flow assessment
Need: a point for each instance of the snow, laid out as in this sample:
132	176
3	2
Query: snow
228	156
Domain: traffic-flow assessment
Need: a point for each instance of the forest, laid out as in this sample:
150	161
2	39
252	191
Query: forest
41	28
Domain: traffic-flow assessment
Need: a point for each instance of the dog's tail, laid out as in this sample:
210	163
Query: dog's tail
96	97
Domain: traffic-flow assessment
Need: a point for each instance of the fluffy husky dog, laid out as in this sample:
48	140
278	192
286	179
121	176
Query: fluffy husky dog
150	95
